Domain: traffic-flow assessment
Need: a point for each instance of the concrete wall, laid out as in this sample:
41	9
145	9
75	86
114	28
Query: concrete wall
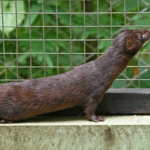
77	133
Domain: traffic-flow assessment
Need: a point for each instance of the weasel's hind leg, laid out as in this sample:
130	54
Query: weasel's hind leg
5	121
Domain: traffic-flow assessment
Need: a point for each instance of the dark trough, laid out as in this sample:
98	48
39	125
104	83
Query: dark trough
117	101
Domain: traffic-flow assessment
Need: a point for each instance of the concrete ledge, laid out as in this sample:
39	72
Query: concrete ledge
70	132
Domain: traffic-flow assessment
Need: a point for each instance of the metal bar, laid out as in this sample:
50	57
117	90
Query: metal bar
16	40
84	32
55	40
125	28
57	36
36	66
43	20
87	26
77	13
98	35
62	53
139	28
70	34
69	67
111	20
30	38
3	42
59	66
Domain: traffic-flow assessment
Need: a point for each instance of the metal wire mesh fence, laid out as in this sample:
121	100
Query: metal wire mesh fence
40	38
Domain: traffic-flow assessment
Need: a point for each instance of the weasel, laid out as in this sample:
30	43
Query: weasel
84	85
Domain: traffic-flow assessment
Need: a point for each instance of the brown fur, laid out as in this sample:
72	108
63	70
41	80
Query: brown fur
84	85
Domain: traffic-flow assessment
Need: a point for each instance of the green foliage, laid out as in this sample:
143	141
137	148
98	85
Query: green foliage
10	19
59	51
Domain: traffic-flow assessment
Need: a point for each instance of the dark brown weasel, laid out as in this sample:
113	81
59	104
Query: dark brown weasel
84	85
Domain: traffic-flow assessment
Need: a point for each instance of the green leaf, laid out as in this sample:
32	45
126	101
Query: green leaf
63	6
104	19
34	8
10	19
48	60
144	22
37	47
22	57
145	47
103	5
102	44
135	17
118	84
90	31
64	19
51	46
77	59
131	6
40	58
50	34
50	6
64	60
77	20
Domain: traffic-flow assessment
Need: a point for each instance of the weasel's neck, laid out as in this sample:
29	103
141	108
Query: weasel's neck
112	62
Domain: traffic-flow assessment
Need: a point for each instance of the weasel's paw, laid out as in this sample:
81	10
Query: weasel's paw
96	118
5	121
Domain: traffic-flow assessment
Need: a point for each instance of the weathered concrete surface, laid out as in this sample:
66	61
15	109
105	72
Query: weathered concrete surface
77	133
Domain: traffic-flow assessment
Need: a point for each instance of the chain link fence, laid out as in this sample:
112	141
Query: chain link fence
40	38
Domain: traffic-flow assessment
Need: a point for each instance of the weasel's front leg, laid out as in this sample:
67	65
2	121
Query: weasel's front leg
90	109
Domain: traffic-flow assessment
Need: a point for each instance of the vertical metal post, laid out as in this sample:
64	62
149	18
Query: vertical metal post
30	38
57	36
70	34
43	35
98	27
84	32
125	28
16	39
4	42
111	20
139	85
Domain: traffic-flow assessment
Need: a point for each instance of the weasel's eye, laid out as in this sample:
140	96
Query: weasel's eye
141	36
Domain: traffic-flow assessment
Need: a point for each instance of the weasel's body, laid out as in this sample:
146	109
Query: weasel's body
84	85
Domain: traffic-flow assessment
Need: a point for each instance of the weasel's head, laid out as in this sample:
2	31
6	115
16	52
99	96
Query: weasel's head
131	41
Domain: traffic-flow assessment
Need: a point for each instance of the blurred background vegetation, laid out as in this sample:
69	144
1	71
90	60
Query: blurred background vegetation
60	41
